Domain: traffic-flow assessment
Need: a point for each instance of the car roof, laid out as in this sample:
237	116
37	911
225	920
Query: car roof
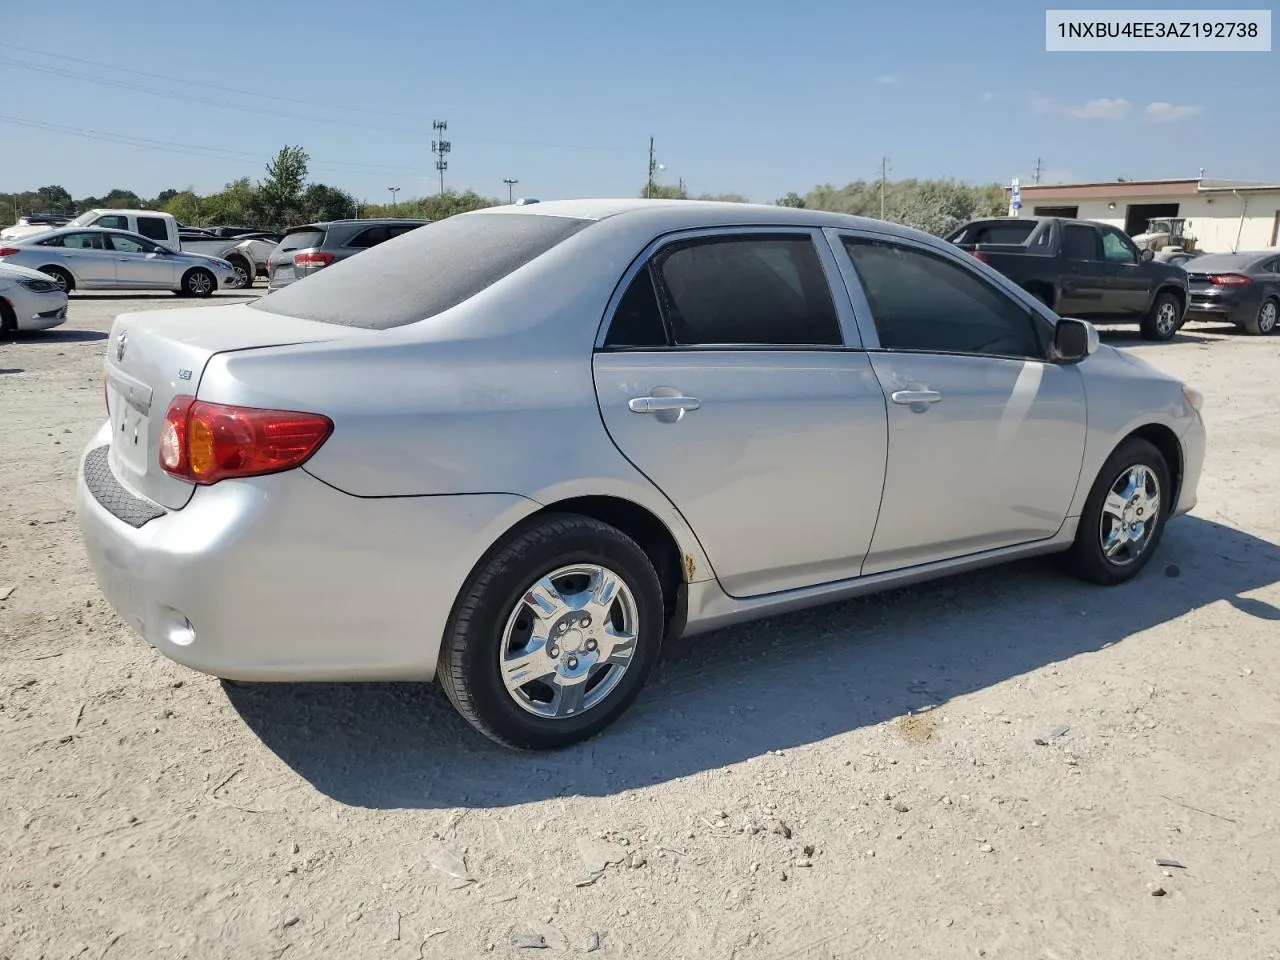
67	231
1244	258
363	221
685	214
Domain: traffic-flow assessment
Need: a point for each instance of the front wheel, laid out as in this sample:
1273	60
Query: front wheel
244	274
1163	320
554	635
1124	516
60	277
199	283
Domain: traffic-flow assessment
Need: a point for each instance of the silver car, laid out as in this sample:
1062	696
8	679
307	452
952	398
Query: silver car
93	258
519	449
29	301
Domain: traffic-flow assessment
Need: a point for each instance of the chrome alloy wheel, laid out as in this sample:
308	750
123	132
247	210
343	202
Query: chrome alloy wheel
568	641
200	283
1267	317
1167	318
1130	514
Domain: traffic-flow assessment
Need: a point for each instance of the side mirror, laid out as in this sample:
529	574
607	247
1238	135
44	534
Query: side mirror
1073	340
1146	256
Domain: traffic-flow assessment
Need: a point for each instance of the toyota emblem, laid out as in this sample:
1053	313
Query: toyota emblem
121	342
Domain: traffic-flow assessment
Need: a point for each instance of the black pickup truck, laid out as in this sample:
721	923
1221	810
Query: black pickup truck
1079	268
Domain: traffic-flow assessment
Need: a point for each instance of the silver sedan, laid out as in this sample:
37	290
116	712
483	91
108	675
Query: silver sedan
93	258
519	449
29	301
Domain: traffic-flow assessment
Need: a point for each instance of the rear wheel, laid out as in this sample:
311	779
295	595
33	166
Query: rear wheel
8	319
60	277
1162	322
1124	516
1265	322
199	283
554	635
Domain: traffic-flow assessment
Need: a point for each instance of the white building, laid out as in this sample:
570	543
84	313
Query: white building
1223	215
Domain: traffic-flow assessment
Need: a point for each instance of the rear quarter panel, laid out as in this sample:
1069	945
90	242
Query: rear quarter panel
493	396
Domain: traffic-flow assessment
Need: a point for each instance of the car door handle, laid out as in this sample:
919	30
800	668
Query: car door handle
123	259
912	397
662	404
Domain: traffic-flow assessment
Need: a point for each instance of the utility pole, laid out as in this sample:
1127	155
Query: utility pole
682	190
884	173
441	148
393	191
648	187
1036	179
510	183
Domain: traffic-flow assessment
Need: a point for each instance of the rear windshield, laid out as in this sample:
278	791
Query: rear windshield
1222	263
301	239
424	272
998	232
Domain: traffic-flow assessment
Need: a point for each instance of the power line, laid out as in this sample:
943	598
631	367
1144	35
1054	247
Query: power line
169	146
99	80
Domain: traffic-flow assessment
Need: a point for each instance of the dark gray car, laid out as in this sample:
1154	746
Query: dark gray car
313	246
1241	288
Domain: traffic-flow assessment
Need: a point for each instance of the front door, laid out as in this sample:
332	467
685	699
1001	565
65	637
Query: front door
139	263
986	437
1129	278
1085	288
723	377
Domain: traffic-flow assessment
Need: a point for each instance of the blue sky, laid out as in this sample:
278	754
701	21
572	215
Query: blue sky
563	95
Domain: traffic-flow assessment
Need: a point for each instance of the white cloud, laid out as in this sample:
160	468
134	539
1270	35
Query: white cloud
1104	108
1162	112
887	80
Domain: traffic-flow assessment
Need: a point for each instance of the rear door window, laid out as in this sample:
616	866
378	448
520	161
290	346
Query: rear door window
1080	242
370	237
84	241
154	228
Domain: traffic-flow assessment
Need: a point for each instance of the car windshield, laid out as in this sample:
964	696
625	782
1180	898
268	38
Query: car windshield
83	219
423	272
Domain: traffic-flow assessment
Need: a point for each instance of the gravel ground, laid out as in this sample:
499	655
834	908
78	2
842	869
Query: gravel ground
864	780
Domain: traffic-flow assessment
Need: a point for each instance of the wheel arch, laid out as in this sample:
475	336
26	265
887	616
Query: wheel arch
1166	441
1178	292
54	265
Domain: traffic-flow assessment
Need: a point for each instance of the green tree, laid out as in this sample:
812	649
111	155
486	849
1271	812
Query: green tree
792	199
185	206
665	191
322	202
163	197
235	205
123	199
54	199
723	197
280	194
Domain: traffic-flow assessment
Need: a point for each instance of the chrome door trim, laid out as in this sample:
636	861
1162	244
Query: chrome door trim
845	314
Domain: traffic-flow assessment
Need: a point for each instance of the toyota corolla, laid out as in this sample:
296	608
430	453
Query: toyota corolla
517	450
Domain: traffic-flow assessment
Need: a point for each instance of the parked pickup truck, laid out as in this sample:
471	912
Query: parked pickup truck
1083	269
247	255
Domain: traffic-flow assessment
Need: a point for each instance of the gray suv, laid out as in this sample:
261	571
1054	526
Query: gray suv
314	246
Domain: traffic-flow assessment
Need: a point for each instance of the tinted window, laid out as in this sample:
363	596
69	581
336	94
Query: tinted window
428	271
1080	242
747	290
1117	248
401	229
112	222
154	227
996	232
637	322
301	239
84	241
369	238
50	242
123	244
920	301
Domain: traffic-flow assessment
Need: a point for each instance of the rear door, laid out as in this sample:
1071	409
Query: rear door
1130	281
89	259
723	375
1084	280
139	263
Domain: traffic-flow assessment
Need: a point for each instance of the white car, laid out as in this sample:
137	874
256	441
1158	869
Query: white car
29	300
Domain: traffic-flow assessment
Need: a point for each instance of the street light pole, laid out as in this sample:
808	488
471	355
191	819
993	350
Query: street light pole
510	183
393	191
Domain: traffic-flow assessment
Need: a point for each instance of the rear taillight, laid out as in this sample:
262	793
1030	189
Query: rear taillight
207	442
8	251
979	255
311	261
1229	280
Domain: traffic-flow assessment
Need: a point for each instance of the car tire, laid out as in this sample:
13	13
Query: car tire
494	622
8	320
60	277
1164	319
1088	557
1264	322
244	273
198	282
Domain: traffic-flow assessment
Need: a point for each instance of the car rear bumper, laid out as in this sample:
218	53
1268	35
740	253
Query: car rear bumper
285	578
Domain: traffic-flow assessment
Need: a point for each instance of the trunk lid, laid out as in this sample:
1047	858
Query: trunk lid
155	356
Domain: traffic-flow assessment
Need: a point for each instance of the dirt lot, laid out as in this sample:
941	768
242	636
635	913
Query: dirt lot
779	791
